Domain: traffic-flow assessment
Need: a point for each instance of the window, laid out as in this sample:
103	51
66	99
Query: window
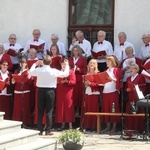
90	16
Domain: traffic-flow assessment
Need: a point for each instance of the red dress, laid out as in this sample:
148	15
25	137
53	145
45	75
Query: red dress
8	59
91	105
64	102
6	99
112	97
21	110
134	123
78	88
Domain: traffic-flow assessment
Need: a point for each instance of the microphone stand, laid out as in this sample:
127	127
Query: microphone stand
122	105
22	101
147	117
84	101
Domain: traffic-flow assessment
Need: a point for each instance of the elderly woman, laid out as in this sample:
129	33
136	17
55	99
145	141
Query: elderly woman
134	123
6	90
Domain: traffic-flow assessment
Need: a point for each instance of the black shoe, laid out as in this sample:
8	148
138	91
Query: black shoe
41	133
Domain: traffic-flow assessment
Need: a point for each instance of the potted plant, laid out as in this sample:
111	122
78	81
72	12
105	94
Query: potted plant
72	139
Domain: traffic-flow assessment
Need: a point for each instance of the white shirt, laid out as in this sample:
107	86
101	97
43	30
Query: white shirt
88	91
110	87
32	42
60	45
86	47
16	47
120	50
106	45
144	52
47	76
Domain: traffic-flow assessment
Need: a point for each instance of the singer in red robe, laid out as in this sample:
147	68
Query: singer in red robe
21	110
91	101
78	63
64	100
5	91
134	123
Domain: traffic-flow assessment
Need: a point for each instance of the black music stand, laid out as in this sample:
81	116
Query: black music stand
144	103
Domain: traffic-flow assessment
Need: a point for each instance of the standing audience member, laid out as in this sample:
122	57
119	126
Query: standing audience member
14	46
119	50
134	123
78	63
84	44
111	94
145	49
5	57
102	45
6	90
46	83
21	109
61	46
92	96
36	43
64	101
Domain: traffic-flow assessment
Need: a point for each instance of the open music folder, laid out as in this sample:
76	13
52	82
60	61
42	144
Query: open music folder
139	92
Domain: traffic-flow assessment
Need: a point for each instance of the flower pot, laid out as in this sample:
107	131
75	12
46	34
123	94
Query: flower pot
72	146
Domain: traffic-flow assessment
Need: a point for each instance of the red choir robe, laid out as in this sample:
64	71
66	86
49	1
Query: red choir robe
8	59
135	123
64	101
21	109
6	99
78	88
109	98
91	103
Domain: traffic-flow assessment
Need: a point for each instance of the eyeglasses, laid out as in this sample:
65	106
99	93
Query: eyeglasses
12	38
5	64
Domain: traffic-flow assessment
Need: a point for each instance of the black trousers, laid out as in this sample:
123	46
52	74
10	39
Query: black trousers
46	98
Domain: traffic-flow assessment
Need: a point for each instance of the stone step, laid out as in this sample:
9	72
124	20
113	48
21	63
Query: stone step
20	137
9	126
40	144
2	115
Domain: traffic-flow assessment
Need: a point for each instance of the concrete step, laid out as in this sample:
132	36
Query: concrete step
8	126
18	138
2	115
39	144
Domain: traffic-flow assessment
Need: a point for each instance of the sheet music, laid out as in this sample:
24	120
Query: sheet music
139	93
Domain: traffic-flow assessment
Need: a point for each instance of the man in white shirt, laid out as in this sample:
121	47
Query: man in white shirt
36	43
83	43
102	45
144	53
46	83
119	50
13	45
61	46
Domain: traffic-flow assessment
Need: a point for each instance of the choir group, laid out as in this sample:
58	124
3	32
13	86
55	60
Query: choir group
75	94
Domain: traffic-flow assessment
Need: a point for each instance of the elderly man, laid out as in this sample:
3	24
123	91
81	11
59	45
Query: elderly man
61	46
119	50
37	44
100	49
83	43
13	49
145	49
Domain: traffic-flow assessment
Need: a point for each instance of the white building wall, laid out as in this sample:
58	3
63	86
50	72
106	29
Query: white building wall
51	16
22	16
132	17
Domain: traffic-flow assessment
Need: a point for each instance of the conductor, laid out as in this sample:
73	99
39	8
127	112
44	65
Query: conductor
46	83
